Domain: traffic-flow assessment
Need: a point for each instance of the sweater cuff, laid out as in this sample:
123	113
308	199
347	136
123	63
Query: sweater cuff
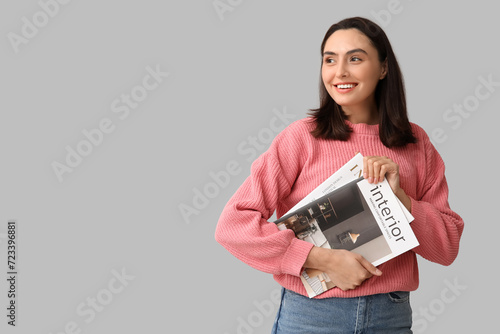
295	257
418	213
419	225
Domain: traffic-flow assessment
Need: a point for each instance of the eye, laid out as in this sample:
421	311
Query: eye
355	58
329	60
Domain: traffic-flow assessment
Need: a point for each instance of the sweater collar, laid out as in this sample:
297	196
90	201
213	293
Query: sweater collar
363	128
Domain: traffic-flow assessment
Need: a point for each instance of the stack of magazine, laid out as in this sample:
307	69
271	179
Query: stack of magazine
347	212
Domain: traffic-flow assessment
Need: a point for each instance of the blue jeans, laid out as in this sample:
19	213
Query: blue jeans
383	313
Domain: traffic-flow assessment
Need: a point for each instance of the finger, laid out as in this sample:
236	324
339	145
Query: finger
365	167
369	169
382	172
376	170
370	267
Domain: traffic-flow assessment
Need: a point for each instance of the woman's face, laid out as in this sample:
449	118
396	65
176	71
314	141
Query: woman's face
351	70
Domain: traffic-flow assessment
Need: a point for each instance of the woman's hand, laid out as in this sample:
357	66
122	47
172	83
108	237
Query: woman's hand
375	168
347	270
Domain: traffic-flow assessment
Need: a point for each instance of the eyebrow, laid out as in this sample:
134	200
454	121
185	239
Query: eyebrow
348	52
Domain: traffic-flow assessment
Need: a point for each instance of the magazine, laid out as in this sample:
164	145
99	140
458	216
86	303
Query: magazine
347	212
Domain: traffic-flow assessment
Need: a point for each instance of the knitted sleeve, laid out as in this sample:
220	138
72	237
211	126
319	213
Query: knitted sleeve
243	227
437	228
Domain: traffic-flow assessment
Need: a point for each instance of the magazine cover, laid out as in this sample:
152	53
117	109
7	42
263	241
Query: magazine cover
360	217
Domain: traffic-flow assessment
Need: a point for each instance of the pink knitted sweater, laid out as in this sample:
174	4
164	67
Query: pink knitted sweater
295	164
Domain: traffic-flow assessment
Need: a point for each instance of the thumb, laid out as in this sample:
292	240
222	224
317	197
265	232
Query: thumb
370	267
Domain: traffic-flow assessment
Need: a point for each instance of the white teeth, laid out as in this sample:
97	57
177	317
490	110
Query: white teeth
346	86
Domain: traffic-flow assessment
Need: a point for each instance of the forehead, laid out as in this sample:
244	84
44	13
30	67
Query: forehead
344	40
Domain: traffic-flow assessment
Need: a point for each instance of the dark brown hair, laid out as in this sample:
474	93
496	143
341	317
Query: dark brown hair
394	126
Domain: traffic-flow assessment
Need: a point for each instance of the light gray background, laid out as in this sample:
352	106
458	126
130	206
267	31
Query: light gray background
119	209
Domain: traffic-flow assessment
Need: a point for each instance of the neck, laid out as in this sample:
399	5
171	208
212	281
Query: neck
367	119
364	113
370	118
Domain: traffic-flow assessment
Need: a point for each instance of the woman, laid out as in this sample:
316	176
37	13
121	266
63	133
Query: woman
362	109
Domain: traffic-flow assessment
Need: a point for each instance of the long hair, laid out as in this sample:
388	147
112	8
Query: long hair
394	126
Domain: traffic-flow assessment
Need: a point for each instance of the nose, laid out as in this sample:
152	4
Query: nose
341	70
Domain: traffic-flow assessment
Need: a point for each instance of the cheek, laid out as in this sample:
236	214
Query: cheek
373	80
327	75
372	76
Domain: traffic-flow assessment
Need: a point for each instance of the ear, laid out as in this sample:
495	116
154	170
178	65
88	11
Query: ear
383	73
